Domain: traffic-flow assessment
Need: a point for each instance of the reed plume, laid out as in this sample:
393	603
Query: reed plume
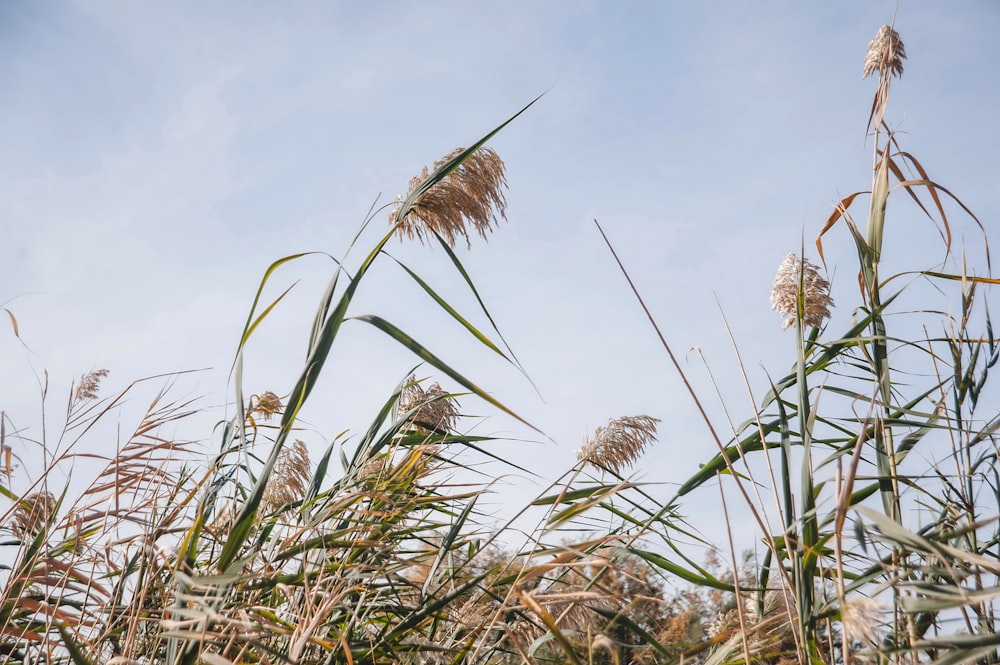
471	195
32	512
862	619
289	478
89	384
617	445
433	410
884	57
800	279
265	405
885	54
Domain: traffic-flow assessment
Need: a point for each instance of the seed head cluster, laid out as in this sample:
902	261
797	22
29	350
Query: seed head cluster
885	54
89	384
617	445
862	619
797	277
289	478
32	512
265	405
432	409
472	195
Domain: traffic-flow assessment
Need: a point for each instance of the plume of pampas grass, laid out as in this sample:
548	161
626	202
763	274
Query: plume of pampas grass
885	54
884	57
289	478
617	445
471	195
265	405
89	384
793	275
862	618
433	410
32	512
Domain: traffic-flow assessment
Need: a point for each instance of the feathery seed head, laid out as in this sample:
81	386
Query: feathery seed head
434	411
471	195
885	54
618	444
795	274
265	405
289	478
861	618
32	512
89	384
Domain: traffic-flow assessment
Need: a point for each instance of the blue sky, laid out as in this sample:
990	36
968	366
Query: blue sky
158	156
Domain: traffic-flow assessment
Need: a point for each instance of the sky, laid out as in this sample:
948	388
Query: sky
157	157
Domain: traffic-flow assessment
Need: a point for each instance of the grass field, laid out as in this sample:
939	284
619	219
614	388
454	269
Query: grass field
868	471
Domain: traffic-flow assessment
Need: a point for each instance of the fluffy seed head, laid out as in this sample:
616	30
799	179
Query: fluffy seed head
265	405
861	618
885	54
434	410
797	276
618	444
32	512
289	478
89	384
471	195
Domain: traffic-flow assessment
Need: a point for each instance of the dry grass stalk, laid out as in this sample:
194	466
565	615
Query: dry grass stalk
570	611
89	384
289	478
617	445
884	57
433	410
472	194
797	277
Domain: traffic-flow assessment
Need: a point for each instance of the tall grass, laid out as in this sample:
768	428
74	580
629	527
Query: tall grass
868	468
380	550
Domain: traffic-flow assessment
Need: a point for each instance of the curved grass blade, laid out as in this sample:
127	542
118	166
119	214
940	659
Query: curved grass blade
454	314
251	321
422	352
475	292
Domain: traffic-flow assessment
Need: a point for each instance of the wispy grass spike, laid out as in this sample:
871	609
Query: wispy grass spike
89	384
